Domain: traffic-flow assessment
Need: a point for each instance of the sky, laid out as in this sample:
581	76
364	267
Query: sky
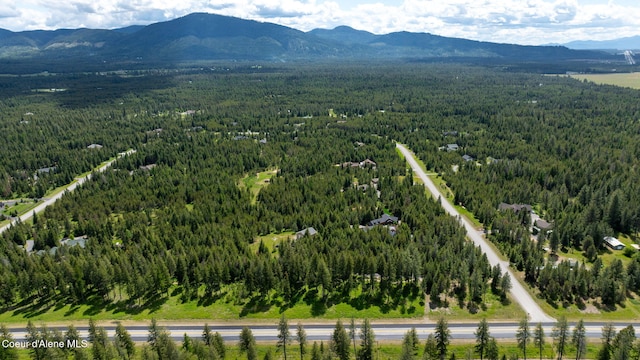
531	22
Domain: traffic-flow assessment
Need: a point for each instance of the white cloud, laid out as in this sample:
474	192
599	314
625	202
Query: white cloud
521	21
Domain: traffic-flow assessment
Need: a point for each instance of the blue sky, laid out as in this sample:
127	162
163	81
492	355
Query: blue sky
511	21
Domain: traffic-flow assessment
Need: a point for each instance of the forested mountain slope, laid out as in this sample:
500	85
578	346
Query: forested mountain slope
201	36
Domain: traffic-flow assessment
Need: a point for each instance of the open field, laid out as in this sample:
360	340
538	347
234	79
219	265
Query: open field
256	182
630	80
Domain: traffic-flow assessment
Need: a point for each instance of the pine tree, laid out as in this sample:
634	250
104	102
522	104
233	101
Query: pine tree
301	335
72	336
492	349
608	335
315	351
340	342
579	339
352	335
560	335
124	342
523	335
415	341
34	335
219	346
430	348
623	343
6	352
187	343
482	338
99	341
207	336
247	343
538	338
442	337
505	285
410	345
614	212
367	339
268	355
284	335
161	343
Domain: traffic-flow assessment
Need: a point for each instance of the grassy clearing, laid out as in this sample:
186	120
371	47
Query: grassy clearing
592	311
494	309
606	255
257	182
629	80
21	207
271	240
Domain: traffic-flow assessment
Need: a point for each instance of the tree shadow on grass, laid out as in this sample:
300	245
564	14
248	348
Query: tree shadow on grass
257	304
318	308
605	307
361	302
99	305
210	300
34	307
291	301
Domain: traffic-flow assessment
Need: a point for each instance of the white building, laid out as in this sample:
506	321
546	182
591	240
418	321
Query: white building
613	243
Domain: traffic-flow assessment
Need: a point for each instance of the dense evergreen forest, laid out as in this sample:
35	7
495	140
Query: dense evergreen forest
172	218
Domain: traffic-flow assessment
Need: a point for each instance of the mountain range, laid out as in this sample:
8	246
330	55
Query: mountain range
627	43
201	36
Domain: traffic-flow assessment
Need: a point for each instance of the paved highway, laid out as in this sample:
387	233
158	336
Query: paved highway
319	332
518	292
48	201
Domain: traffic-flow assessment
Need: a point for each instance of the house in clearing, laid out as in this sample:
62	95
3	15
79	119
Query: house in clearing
368	162
542	225
467	157
46	170
514	207
385	219
613	243
308	231
452	147
77	241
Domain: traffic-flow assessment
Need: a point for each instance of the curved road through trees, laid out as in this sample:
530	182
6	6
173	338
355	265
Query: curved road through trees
48	201
518	292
